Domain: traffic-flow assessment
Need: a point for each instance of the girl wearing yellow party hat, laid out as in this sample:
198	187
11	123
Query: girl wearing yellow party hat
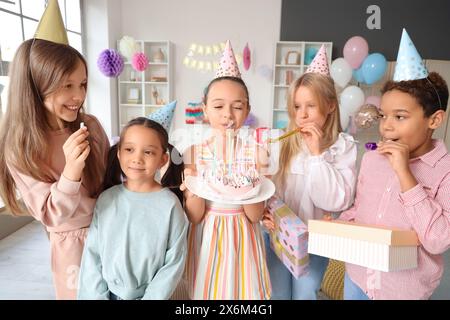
56	166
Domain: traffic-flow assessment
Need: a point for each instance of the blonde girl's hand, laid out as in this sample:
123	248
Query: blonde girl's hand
187	172
76	150
267	220
313	136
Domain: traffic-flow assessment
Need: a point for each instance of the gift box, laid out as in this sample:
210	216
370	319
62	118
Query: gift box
297	267
296	246
289	239
375	247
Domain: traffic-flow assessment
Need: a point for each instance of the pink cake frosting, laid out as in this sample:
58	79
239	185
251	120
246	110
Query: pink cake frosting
232	186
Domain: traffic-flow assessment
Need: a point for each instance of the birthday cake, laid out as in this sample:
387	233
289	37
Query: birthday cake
233	186
232	174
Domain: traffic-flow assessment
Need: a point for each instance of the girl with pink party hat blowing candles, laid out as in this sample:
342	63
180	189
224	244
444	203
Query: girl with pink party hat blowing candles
226	254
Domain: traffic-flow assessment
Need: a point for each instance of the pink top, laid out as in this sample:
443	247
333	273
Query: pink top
424	209
63	205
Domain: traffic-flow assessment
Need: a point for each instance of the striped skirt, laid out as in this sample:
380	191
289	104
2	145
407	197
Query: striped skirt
226	258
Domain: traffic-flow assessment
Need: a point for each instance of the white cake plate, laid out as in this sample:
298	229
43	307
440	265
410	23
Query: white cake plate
196	186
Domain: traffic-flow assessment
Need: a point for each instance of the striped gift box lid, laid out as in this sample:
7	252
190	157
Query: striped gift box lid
370	233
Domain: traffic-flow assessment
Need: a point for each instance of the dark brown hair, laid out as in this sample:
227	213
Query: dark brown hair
233	79
172	177
431	93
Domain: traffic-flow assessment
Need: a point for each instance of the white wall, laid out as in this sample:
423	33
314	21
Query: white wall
183	22
101	27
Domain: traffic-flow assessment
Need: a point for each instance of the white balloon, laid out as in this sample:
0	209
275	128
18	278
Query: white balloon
344	116
341	72
351	99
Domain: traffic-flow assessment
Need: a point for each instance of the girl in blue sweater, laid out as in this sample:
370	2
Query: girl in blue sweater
136	246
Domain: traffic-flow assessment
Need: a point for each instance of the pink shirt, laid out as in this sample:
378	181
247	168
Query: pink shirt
424	209
63	205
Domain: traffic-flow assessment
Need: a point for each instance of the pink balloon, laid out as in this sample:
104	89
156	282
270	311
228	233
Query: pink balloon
356	50
375	100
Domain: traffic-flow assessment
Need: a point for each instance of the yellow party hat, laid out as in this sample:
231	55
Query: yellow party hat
51	27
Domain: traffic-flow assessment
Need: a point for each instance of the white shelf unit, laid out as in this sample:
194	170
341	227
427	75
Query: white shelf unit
289	56
136	89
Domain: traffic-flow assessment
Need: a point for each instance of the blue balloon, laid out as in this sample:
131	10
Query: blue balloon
374	67
310	53
358	75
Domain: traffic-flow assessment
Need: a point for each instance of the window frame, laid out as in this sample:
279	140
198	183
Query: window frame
64	14
23	16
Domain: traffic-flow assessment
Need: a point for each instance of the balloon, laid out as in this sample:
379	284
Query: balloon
375	100
355	51
341	72
358	75
344	115
374	67
367	115
351	99
310	53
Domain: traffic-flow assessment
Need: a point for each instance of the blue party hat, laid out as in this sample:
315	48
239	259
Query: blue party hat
164	115
409	63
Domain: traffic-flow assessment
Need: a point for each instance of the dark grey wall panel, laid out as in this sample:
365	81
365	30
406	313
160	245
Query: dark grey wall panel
427	22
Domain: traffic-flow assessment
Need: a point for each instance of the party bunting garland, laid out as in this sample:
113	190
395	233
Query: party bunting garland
210	55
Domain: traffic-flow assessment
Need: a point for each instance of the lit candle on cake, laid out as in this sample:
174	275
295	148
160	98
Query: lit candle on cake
241	155
216	152
229	148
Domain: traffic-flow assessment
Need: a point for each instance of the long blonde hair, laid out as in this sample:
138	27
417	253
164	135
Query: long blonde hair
323	88
39	68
